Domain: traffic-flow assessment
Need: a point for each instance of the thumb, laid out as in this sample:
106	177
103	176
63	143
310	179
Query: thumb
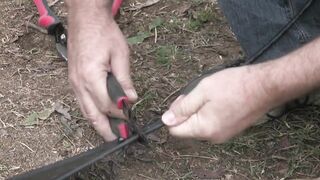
184	107
121	70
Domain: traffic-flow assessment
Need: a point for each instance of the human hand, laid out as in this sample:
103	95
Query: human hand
96	46
221	106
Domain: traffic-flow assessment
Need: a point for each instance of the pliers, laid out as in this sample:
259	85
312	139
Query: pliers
123	129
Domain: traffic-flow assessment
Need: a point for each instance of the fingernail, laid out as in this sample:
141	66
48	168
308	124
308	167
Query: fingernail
132	94
169	118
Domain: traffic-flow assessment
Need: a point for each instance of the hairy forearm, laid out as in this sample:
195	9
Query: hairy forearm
84	15
290	76
80	10
76	4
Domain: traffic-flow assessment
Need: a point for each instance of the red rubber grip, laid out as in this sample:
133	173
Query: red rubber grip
121	100
123	130
47	17
116	6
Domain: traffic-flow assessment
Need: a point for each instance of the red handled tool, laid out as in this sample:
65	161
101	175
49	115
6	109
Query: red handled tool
118	96
55	28
53	25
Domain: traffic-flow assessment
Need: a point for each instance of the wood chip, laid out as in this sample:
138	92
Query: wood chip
148	3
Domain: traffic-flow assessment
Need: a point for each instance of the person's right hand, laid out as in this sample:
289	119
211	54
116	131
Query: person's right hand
96	46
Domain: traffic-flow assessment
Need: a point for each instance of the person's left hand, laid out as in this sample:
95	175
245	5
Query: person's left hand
219	107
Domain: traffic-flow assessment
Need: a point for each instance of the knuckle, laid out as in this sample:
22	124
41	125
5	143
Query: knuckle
93	118
107	110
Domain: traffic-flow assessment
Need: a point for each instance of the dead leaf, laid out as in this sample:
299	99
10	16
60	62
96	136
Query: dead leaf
138	38
79	132
58	107
156	138
31	120
66	126
157	22
45	114
183	8
208	174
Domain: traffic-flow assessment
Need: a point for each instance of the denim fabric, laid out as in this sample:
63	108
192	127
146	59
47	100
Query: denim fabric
256	22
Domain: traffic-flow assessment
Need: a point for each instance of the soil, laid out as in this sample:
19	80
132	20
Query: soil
185	39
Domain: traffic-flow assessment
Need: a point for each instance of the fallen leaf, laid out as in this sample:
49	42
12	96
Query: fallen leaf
58	107
66	126
156	23
66	144
156	138
183	8
139	38
79	132
45	114
31	120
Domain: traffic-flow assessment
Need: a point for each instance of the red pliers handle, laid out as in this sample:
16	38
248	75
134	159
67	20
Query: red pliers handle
49	20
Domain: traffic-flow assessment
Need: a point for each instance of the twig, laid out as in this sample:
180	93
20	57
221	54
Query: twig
201	157
144	5
187	30
53	3
155	35
170	95
23	144
92	146
144	176
36	27
191	156
3	123
77	117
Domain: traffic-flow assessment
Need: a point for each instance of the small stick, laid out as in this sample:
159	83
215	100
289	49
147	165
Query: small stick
201	157
23	144
155	35
92	146
53	3
170	95
144	5
144	176
3	123
36	27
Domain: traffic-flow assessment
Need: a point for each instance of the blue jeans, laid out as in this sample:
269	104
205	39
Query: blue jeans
256	22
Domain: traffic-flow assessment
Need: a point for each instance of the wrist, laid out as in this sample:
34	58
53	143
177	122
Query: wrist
256	89
89	13
87	5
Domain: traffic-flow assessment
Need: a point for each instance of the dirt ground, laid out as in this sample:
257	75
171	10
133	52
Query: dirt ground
171	42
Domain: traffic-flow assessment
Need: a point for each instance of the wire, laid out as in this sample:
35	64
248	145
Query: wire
255	56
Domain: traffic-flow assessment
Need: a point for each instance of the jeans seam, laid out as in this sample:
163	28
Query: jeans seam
303	35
